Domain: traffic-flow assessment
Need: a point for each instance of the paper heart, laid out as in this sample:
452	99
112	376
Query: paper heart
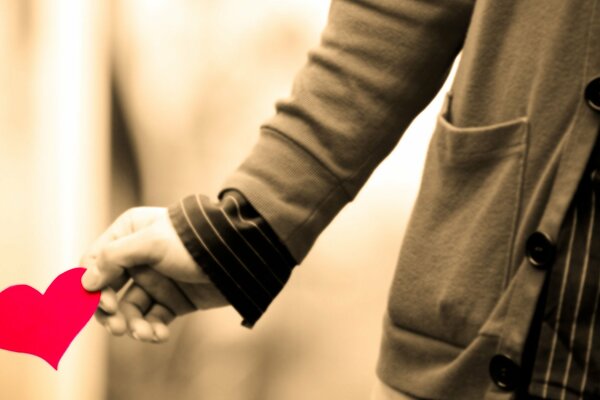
45	324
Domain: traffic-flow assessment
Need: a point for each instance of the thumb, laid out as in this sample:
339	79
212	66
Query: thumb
138	248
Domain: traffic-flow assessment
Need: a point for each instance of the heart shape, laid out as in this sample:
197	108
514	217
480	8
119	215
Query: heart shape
45	324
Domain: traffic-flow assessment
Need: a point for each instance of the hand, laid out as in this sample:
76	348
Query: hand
141	255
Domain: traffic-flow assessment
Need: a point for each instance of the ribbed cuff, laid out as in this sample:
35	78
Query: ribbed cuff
236	248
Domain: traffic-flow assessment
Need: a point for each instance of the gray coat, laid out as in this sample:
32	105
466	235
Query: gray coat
505	159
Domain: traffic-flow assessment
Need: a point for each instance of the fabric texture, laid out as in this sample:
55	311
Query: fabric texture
567	362
236	248
506	157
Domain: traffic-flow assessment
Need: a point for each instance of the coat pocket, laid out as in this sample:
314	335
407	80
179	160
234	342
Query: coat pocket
456	252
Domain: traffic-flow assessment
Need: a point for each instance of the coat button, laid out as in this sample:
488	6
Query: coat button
540	250
592	94
505	373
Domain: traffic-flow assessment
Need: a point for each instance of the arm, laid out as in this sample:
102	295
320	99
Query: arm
380	62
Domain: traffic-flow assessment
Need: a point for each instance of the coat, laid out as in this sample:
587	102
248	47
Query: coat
508	151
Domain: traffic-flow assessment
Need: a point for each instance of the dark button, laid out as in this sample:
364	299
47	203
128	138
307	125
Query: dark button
505	373
540	250
592	94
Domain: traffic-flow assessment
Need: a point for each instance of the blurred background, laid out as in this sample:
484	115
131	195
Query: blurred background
105	105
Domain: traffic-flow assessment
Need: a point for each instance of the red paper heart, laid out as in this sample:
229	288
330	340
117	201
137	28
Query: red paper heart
45	325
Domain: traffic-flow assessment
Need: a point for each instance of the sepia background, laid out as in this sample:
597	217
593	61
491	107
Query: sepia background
105	105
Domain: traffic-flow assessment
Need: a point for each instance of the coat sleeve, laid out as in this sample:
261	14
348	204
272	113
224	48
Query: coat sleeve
379	63
236	248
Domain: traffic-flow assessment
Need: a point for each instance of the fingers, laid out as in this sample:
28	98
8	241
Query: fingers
162	289
92	275
145	320
90	260
133	225
108	297
108	301
134	305
136	314
138	248
145	308
114	323
159	317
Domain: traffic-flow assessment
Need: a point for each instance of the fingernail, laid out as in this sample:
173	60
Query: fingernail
135	335
109	329
90	279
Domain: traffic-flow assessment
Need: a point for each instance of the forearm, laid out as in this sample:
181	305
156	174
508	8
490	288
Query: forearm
379	64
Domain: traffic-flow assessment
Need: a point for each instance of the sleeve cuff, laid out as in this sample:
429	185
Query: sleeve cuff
236	248
291	190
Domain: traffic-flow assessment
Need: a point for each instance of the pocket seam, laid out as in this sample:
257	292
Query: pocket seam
462	145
